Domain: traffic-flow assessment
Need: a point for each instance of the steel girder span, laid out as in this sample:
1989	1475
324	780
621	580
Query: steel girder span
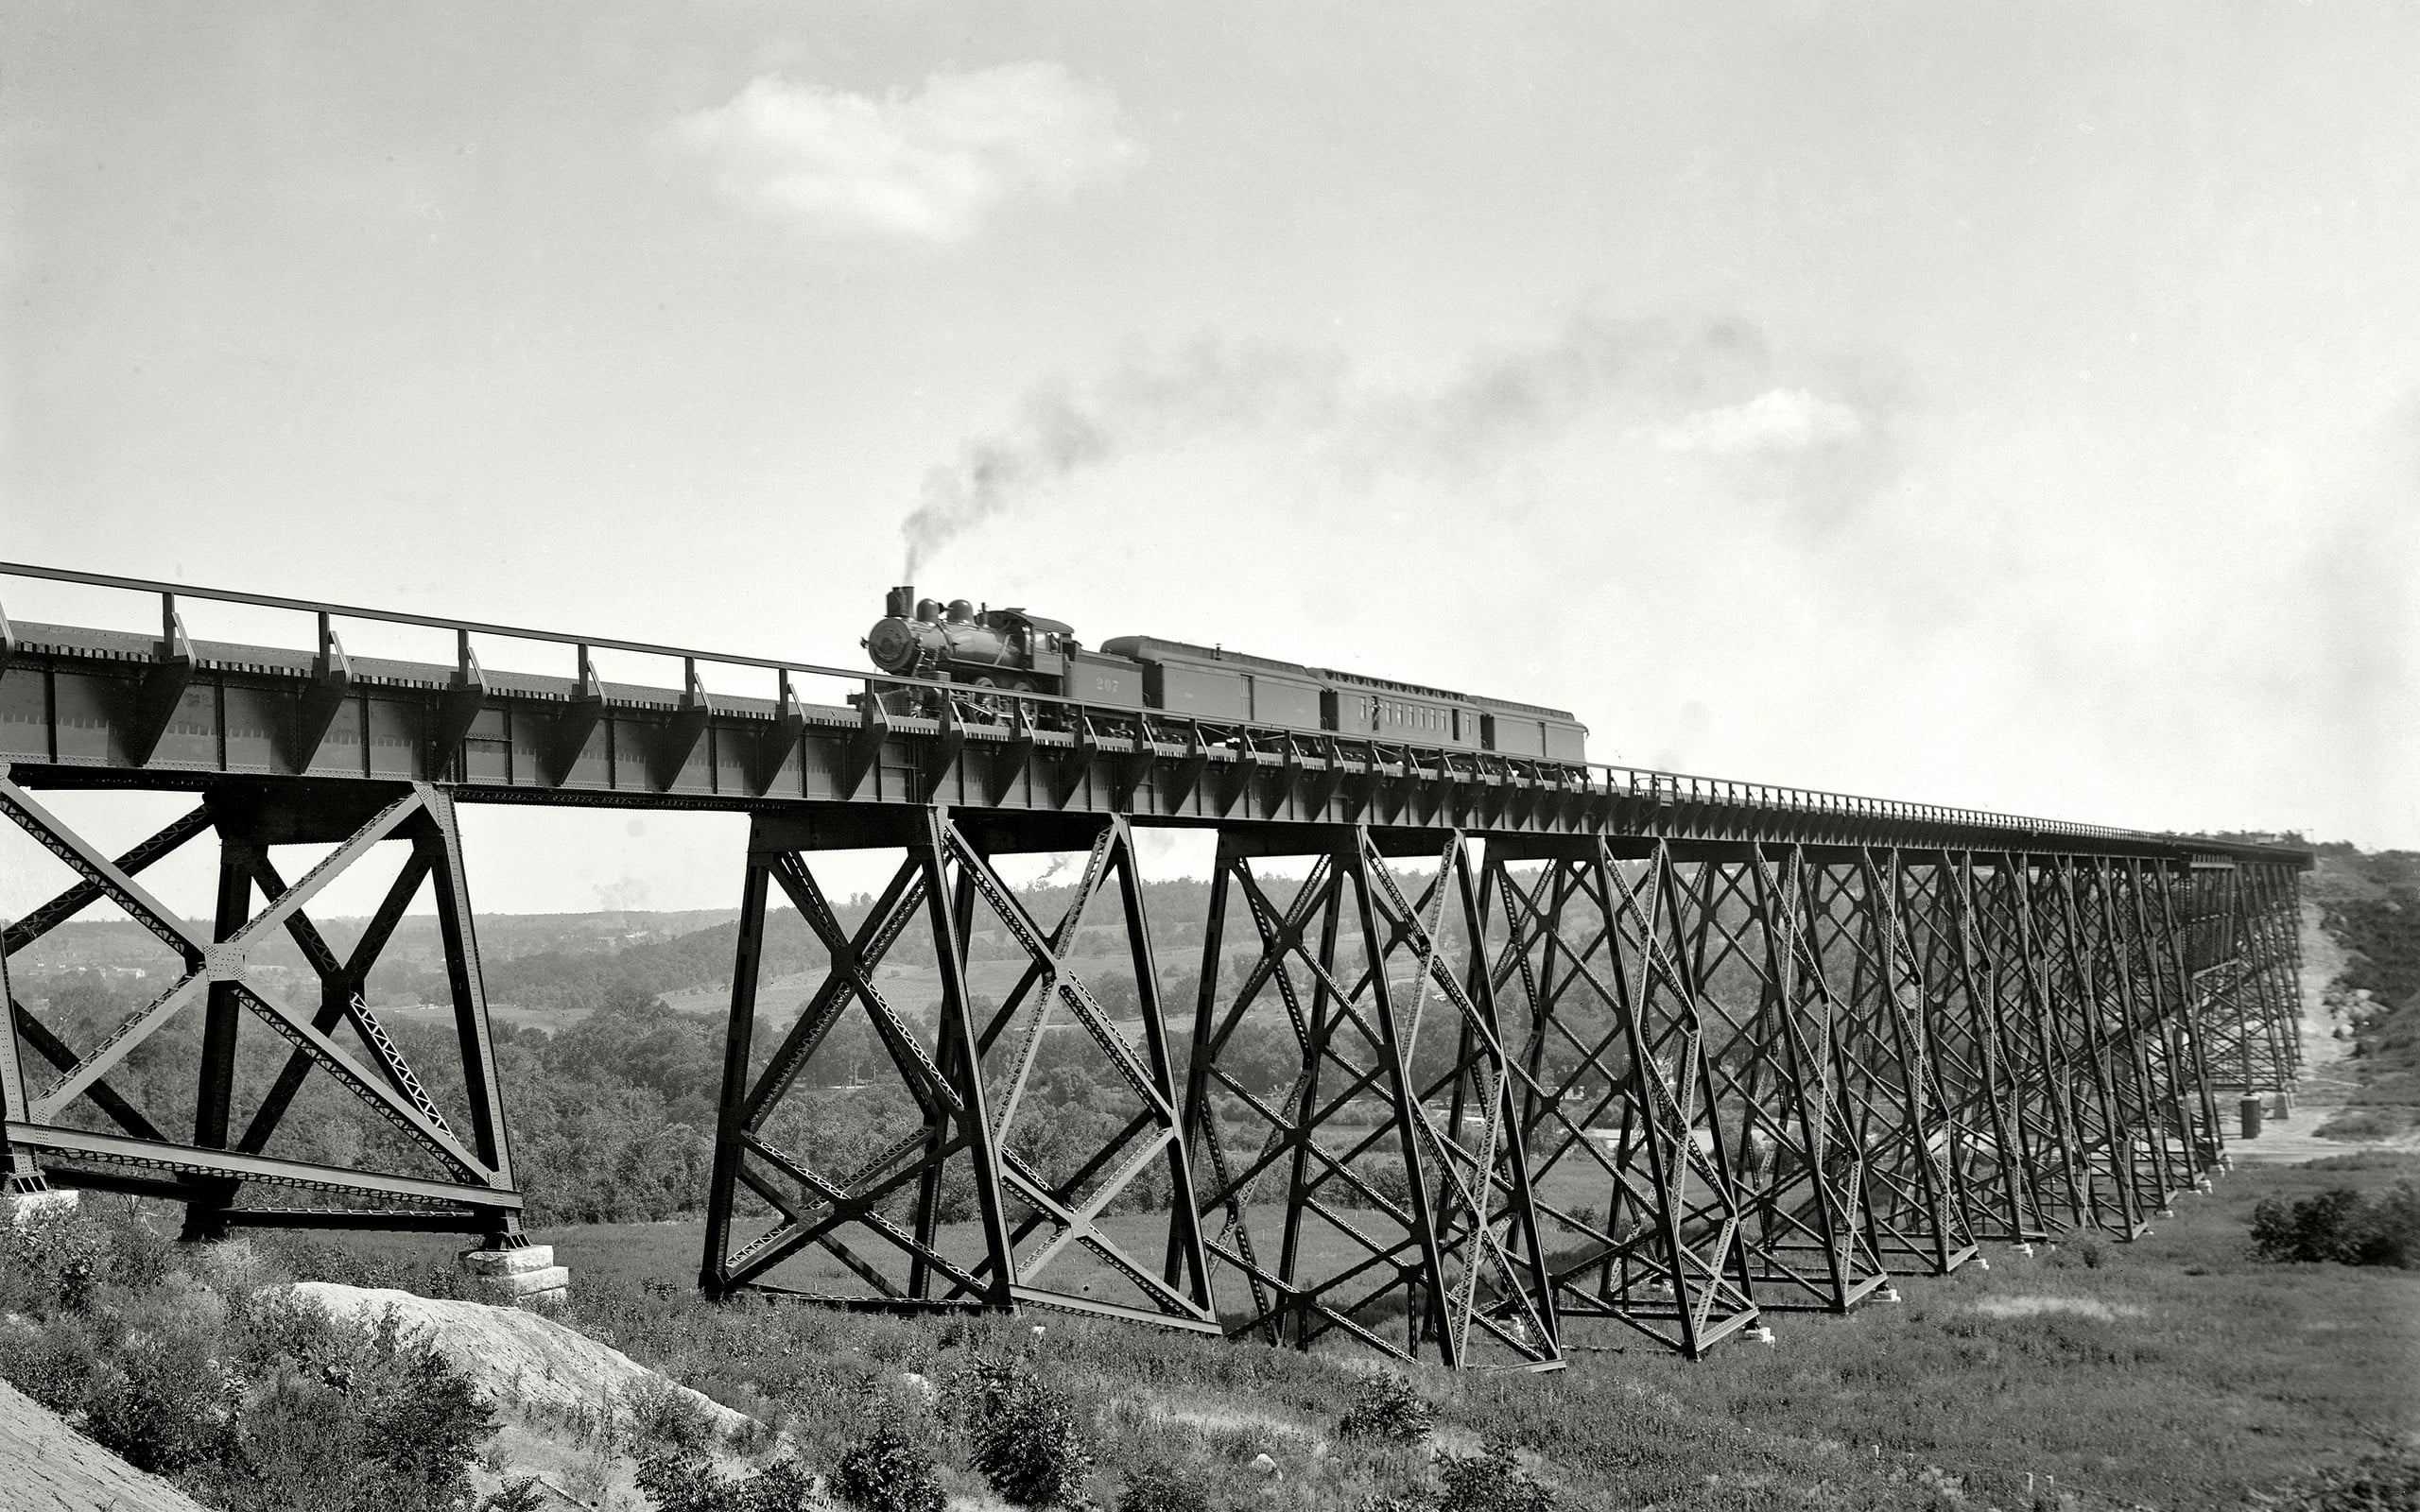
1463	1058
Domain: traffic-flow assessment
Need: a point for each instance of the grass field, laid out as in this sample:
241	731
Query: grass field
2175	1372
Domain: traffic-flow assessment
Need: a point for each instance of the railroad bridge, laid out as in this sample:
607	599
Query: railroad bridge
1576	1050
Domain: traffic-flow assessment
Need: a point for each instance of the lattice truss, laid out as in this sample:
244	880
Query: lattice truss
1384	1193
1901	1117
1972	1011
1773	1048
1520	1091
954	1205
1621	1112
2137	954
446	1165
2243	957
2094	1043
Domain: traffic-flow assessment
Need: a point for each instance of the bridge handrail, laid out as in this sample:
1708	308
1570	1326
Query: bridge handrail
1632	782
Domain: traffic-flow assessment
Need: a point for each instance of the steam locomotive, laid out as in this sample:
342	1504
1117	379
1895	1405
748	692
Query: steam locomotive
996	652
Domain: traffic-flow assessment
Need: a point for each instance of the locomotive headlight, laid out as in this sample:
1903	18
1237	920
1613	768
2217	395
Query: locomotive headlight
893	644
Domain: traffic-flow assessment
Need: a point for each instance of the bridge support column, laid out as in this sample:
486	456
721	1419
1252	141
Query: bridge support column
2198	1109
1622	1105
2243	947
2080	1011
1916	1215
1997	1171
949	1180
1372	1179
460	1185
20	1178
1774	1026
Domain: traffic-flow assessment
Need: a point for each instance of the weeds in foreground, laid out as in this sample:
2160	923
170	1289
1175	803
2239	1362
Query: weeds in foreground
247	1397
1163	1486
1489	1481
2109	1385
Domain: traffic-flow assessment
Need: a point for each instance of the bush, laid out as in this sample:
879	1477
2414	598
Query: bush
247	1397
1386	1408
1489	1481
2355	1124
1163	1486
679	1483
886	1471
2342	1226
165	1399
1384	1174
54	1257
664	1417
351	1416
1028	1442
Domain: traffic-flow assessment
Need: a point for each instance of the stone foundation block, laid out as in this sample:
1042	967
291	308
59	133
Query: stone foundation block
508	1262
526	1276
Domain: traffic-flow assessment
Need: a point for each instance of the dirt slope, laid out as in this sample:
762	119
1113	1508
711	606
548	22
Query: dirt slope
51	1468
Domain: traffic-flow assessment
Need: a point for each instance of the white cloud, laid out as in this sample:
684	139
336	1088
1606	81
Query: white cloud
926	167
1780	420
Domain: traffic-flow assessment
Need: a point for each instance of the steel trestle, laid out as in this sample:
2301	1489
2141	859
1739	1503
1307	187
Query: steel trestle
1488	1060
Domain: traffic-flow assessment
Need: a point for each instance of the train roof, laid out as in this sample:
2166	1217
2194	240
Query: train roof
1152	648
1538	710
1417	690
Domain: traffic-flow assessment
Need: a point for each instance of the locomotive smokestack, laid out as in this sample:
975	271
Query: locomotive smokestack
900	601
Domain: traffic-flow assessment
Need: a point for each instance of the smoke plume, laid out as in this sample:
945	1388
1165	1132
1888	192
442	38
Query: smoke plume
1712	387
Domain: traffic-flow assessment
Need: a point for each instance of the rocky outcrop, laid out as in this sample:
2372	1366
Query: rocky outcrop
524	1361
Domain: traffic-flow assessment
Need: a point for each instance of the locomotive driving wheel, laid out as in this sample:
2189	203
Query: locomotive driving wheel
995	703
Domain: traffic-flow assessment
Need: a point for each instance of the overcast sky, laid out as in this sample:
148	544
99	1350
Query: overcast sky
2018	409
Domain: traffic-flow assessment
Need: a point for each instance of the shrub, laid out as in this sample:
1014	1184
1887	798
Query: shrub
680	1483
53	1257
165	1400
1385	1407
664	1417
2342	1226
1489	1481
2355	1124
256	1401
887	1471
1028	1441
1384	1174
1163	1486
354	1415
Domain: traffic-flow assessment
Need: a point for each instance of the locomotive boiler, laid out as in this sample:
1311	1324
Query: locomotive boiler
998	653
